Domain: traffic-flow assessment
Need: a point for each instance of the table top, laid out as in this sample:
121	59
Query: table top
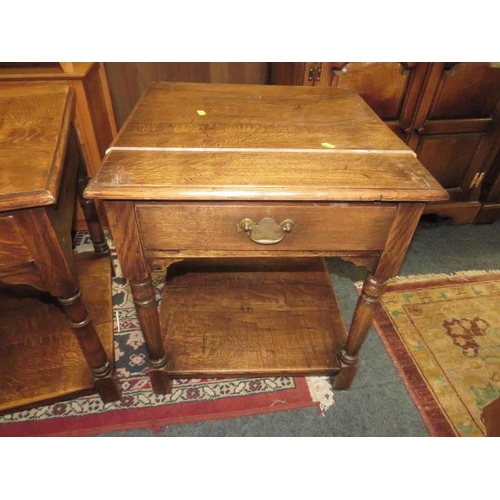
191	141
34	124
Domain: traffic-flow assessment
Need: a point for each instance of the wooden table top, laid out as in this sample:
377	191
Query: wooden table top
34	124
189	141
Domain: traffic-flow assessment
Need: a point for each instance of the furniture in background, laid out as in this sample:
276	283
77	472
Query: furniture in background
491	418
448	113
55	340
94	118
239	191
490	194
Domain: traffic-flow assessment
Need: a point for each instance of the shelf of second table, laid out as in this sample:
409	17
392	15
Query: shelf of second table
41	360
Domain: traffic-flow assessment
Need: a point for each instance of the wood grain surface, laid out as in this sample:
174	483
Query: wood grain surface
129	80
35	123
155	175
247	142
250	317
41	358
255	116
212	227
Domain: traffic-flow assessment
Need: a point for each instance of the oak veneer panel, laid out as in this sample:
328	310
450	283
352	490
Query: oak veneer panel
212	227
250	317
34	125
41	358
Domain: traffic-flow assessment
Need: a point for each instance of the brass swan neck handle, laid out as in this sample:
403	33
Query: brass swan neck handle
267	231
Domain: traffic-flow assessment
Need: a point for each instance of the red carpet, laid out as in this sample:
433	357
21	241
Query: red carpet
269	395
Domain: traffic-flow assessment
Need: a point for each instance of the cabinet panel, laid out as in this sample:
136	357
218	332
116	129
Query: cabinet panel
448	159
466	90
384	86
490	194
391	89
457	124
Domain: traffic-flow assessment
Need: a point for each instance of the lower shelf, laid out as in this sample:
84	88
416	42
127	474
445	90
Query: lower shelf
40	359
250	317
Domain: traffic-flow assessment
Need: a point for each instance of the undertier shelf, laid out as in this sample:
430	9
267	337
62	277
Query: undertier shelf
250	317
41	358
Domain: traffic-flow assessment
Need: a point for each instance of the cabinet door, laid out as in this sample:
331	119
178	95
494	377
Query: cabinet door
391	89
456	125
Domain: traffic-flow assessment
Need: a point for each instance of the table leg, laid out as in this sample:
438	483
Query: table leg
122	222
92	349
390	261
147	312
53	257
88	206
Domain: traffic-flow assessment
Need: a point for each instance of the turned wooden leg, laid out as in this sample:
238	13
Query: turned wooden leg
147	312
402	229
90	212
54	259
123	225
96	233
105	382
361	322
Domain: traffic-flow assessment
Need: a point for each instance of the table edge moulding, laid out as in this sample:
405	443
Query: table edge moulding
240	191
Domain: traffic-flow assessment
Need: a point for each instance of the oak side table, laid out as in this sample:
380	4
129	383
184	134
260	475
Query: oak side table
54	343
240	191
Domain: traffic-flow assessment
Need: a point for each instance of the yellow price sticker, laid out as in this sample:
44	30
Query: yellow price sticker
328	145
201	112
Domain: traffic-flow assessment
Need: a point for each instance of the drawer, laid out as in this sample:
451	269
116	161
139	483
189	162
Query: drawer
217	227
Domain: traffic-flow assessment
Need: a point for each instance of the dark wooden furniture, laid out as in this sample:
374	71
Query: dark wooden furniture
448	113
491	418
490	195
40	160
240	191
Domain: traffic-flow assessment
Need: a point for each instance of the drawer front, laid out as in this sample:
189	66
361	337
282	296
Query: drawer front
13	250
206	227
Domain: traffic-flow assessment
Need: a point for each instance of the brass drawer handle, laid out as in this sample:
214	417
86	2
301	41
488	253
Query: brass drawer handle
267	231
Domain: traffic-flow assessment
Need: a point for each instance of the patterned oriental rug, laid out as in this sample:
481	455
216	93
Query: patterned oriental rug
443	335
191	400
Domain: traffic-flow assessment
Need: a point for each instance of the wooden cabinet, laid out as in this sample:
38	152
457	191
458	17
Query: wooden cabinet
490	194
448	113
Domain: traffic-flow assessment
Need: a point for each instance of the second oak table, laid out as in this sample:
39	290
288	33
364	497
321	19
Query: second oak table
240	191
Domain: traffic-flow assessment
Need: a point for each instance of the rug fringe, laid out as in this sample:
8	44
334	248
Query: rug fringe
321	392
428	277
